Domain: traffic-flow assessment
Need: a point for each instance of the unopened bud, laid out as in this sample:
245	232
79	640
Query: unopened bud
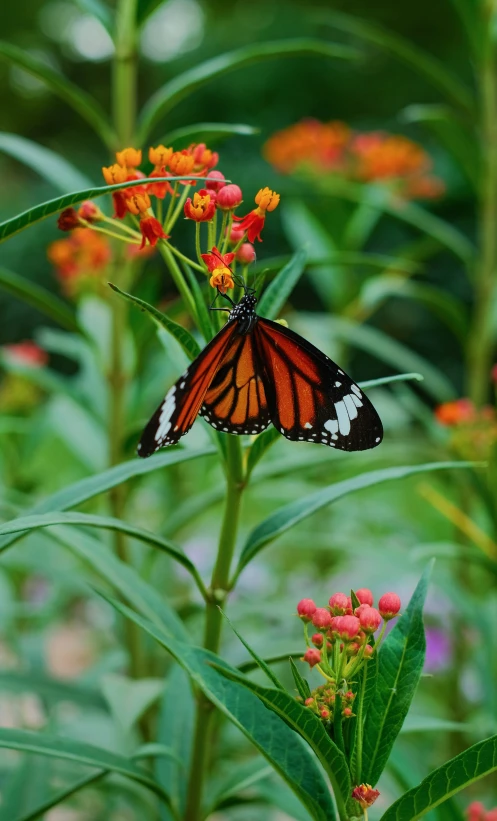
306	608
389	605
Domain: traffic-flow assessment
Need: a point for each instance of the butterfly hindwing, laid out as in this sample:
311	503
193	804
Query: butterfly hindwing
179	408
236	400
310	398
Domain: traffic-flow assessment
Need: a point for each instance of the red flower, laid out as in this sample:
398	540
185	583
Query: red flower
160	189
204	158
453	413
215	259
27	353
217	264
365	795
253	223
202	208
68	220
151	230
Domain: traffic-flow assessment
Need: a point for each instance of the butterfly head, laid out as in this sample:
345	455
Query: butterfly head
244	312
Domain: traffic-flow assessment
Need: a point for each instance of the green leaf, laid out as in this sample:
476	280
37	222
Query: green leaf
259	447
54	168
92	486
39	298
433	70
123	578
50	207
100	11
385	380
170	94
301	684
26	523
181	335
466	768
277	293
377	343
248	666
77	751
258	660
206	132
400	664
79	100
308	726
128	699
50	689
266	731
449	309
176	727
286	517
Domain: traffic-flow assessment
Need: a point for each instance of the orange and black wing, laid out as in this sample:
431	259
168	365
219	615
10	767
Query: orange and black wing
310	398
178	410
236	400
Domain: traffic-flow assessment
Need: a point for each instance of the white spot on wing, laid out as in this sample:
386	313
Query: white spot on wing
331	425
337	384
343	418
357	402
308	425
349	404
356	390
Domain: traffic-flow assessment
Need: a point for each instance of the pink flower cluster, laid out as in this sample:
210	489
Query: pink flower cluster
477	812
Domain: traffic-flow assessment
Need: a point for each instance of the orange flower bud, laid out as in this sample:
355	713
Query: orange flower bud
114	174
138	203
365	795
222	279
160	156
181	163
267	199
129	157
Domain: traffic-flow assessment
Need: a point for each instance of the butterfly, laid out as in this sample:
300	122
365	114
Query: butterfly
255	372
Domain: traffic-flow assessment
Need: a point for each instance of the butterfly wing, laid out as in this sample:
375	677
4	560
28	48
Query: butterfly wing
179	408
310	397
236	400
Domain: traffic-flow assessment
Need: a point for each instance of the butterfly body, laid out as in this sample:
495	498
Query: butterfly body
254	372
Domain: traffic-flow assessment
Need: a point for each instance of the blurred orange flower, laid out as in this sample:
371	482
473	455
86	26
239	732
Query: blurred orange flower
79	258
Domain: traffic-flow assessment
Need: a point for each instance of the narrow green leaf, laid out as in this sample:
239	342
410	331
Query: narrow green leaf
278	291
308	726
260	446
466	768
124	579
50	207
377	290
92	486
400	664
100	10
128	699
248	666
295	512
181	335
82	753
301	684
170	94
79	100
264	729
385	380
258	660
176	724
206	132
434	71
49	165
50	689
59	796
377	343
39	298
24	524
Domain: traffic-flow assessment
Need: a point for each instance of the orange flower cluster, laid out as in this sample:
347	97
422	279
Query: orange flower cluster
473	430
334	149
79	258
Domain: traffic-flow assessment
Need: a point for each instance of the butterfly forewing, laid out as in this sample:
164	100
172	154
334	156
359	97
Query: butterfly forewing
236	400
179	408
311	399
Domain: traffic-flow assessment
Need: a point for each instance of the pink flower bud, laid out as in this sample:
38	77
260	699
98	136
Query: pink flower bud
389	605
346	712
365	596
245	253
324	713
353	648
349	695
335	625
236	233
306	608
339	603
312	657
369	618
321	618
309	701
317	639
349	627
229	197
368	651
215	180
89	211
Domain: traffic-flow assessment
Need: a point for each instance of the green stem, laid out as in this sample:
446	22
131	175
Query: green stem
481	334
219	590
198	246
171	205
178	278
124	78
186	259
222	241
179	208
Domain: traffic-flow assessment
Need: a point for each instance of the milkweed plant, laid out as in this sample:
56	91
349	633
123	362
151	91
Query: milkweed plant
330	729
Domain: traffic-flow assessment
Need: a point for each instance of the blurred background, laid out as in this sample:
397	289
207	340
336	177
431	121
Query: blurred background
391	287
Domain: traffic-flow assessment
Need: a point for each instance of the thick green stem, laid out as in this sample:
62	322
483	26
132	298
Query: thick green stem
124	77
481	333
213	624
